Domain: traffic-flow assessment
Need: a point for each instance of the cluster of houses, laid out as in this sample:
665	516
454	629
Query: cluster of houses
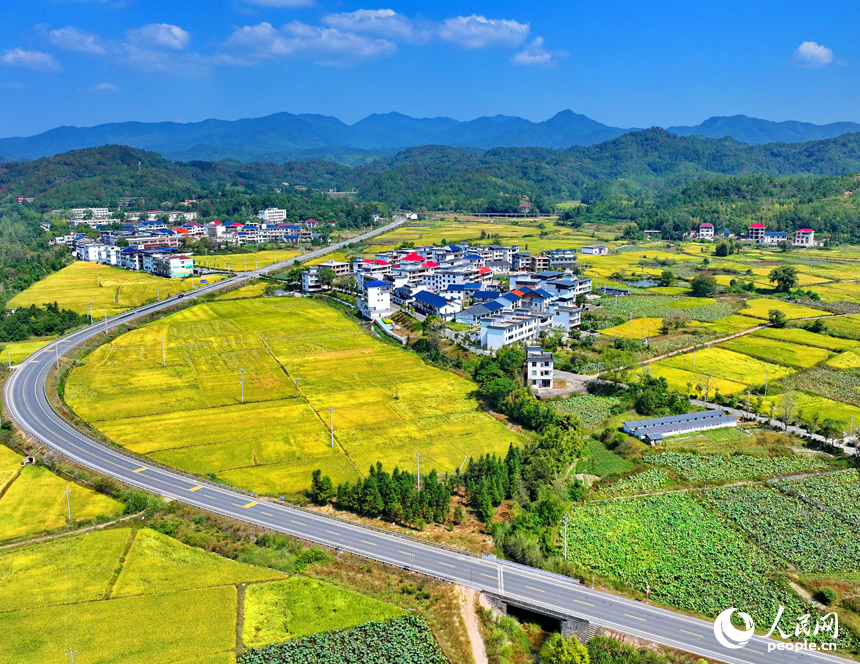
803	238
457	283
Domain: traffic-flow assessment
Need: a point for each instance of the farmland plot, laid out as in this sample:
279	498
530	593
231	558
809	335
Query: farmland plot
689	556
836	491
727	365
759	308
719	467
807	338
814	540
774	350
189	414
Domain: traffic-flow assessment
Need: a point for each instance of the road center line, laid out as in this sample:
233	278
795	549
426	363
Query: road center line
536	589
586	603
366	542
691	633
635	617
140	470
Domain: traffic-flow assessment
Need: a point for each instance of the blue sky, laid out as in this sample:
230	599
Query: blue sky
86	62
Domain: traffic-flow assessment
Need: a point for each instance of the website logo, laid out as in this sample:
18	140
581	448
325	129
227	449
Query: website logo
730	636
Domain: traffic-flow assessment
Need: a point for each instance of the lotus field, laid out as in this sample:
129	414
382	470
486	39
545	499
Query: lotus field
839	492
689	556
810	537
719	467
647	481
387	402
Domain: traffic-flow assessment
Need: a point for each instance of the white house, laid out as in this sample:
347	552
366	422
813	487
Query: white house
375	302
506	329
539	368
272	215
805	237
595	249
311	281
706	231
431	304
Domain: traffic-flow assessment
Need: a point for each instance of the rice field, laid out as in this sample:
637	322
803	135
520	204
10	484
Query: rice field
16	351
799	336
724	364
759	308
296	607
35	502
112	290
242	262
638	328
388	404
779	351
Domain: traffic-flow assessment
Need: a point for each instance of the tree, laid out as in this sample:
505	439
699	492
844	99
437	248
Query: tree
785	246
327	277
666	278
322	489
559	650
777	318
785	278
722	249
121	242
704	286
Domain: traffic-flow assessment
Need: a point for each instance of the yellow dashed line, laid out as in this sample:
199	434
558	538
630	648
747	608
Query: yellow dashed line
489	577
331	532
635	617
692	634
251	504
536	589
140	470
266	513
446	564
586	603
195	488
366	542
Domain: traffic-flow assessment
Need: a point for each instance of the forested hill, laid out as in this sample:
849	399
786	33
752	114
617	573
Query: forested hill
432	177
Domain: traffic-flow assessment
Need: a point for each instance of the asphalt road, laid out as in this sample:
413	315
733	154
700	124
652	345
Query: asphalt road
28	406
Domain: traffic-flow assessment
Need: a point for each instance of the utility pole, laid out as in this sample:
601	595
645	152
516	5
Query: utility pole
694	358
158	293
418	457
564	520
106	320
68	503
71	654
242	383
296	383
9	357
57	353
331	423
163	354
765	384
748	400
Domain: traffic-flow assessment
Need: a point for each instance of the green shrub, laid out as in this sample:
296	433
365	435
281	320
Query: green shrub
826	595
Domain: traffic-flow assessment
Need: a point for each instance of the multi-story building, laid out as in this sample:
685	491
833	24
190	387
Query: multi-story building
706	231
561	259
756	232
506	329
95	213
375	300
805	237
339	268
272	215
311	281
774	237
539	368
431	304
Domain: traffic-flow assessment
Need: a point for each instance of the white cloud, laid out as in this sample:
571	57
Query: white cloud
72	39
165	62
281	3
481	32
159	35
534	54
327	45
35	60
385	23
104	87
812	55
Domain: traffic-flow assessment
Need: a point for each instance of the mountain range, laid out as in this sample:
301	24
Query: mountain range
285	137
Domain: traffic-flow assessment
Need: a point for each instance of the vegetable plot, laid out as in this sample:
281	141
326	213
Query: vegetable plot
718	467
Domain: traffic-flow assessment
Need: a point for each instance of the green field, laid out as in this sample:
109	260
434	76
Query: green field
112	290
36	502
296	607
689	556
387	402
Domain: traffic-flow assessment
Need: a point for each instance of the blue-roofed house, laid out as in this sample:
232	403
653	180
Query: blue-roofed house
431	304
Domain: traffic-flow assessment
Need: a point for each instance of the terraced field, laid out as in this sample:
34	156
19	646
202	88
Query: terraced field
759	308
779	351
799	336
387	402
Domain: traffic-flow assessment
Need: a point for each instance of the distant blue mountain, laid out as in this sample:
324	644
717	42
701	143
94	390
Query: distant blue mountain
285	136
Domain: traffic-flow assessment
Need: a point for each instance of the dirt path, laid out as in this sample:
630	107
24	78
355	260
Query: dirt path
479	652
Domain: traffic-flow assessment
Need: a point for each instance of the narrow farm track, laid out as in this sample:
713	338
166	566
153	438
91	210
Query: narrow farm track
28	405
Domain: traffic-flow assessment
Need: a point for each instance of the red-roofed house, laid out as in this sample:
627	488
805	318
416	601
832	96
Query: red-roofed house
805	237
412	257
429	264
757	232
706	231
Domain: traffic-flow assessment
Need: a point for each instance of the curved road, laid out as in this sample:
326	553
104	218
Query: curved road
28	406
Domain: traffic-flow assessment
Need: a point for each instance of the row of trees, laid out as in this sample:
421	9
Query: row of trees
35	321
